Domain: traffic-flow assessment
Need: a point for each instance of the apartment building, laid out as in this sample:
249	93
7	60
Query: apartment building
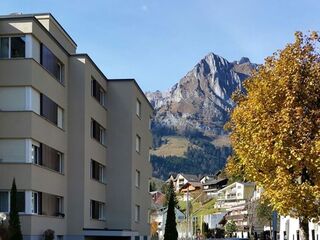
234	200
76	142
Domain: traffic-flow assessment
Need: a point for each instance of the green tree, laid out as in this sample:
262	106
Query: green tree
14	221
264	213
275	130
169	191
171	232
230	228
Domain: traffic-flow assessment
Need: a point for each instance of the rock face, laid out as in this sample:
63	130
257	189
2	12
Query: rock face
202	99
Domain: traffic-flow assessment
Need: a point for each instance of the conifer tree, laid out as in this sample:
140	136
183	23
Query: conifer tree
171	232
14	221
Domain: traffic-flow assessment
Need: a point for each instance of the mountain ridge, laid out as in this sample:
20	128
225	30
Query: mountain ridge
188	133
207	87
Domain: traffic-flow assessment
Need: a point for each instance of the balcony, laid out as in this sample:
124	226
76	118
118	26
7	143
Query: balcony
30	176
31	73
38	223
31	125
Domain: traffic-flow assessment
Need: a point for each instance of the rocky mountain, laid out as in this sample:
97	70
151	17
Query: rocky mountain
188	126
202	98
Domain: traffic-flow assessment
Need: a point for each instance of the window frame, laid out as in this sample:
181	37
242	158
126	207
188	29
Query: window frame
101	210
137	178
138	108
102	132
10	46
101	171
137	213
8	200
138	143
95	85
49	110
58	62
35	200
36	153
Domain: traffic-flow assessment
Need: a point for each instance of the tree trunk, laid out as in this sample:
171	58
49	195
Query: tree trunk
270	226
303	228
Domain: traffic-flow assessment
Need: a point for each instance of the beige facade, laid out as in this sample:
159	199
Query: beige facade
76	142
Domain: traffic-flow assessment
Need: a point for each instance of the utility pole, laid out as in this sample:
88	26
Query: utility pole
187	214
274	225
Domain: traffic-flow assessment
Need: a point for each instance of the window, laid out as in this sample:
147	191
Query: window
59	164
51	111
97	210
50	62
12	47
98	132
59	207
60	118
137	213
4	201
98	92
138	143
138	108
19	99
46	156
48	204
36	202
137	180
35	153
4	47
21	201
97	171
48	109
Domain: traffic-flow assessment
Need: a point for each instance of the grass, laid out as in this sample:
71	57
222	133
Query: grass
221	141
198	208
176	146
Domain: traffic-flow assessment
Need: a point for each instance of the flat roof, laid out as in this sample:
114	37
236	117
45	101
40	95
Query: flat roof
85	55
35	15
137	85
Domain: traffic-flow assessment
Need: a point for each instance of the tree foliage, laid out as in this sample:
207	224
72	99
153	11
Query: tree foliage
14	221
230	228
264	211
170	193
276	129
171	232
201	158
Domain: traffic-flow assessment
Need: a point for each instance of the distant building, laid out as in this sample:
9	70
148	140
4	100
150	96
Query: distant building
234	194
234	200
181	179
212	186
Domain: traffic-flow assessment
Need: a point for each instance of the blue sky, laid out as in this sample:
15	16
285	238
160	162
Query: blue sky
158	41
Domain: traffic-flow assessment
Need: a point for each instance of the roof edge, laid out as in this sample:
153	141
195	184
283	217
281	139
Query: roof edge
137	85
85	55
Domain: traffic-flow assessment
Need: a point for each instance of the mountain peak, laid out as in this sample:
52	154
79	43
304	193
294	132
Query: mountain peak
214	59
244	60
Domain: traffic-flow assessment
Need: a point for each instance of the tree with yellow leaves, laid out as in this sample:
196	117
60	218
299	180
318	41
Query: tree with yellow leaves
275	130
